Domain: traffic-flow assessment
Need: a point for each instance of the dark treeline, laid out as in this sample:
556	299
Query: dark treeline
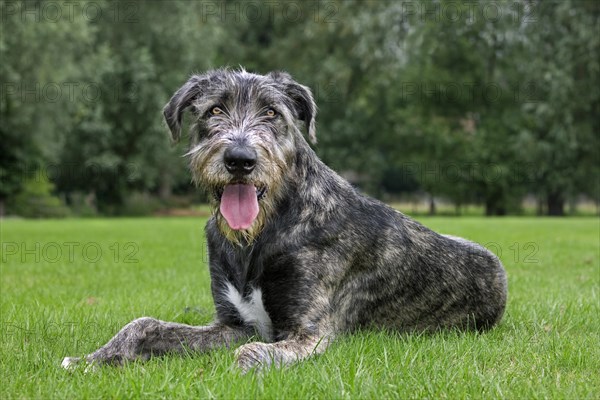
471	102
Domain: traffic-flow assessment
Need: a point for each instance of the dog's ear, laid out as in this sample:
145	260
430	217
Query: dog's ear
302	97
182	100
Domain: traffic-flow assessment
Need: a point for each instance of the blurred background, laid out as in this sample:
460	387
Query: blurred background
438	107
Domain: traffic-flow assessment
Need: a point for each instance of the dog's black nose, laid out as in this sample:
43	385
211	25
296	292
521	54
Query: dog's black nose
240	160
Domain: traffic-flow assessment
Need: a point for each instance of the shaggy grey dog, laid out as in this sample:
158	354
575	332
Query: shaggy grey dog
297	255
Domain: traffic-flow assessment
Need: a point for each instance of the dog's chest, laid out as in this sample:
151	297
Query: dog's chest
251	309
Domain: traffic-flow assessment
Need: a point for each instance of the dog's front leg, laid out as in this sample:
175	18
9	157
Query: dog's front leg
146	337
260	355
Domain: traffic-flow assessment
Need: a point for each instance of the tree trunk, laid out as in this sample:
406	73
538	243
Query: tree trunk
457	209
556	204
165	188
489	208
572	205
540	205
494	206
431	205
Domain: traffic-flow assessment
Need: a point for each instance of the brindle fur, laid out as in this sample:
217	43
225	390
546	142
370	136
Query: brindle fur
326	258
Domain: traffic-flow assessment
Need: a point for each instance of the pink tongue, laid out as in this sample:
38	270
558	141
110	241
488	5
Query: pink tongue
239	206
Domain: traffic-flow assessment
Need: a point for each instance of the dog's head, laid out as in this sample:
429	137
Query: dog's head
244	139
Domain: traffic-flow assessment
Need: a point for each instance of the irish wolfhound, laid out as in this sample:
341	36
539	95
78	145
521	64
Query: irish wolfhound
297	255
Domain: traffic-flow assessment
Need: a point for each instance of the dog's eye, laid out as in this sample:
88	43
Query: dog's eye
270	113
216	111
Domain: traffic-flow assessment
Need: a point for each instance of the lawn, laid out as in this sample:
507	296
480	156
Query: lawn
68	285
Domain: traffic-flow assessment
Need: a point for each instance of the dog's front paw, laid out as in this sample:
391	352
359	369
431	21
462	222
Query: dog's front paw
70	363
73	363
254	356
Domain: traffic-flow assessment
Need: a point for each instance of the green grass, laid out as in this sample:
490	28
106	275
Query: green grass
55	305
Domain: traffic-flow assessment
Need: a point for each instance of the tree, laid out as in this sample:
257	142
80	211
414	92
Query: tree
119	139
560	135
458	79
40	69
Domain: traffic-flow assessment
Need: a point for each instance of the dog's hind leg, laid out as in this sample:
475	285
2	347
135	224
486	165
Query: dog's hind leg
146	337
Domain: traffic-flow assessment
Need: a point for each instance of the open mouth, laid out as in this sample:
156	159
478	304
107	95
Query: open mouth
260	193
239	204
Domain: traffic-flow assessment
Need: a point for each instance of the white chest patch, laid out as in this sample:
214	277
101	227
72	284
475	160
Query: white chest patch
252	310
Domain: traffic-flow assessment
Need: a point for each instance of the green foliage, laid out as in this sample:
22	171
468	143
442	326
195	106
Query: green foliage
474	102
36	200
35	96
138	204
559	134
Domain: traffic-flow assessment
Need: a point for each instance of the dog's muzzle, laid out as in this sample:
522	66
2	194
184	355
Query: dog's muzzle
239	198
